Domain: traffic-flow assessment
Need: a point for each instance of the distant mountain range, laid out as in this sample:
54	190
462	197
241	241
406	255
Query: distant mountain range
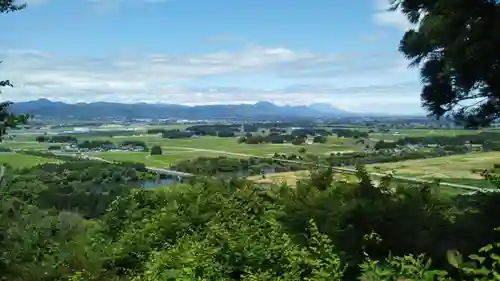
44	108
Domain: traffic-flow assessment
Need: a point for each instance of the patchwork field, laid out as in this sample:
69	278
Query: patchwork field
231	145
30	145
401	133
158	161
228	146
19	161
452	167
291	178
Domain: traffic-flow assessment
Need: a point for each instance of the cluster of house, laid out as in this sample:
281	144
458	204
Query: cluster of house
104	147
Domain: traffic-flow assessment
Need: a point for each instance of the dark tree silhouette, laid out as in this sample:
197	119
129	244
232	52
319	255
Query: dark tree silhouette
156	150
7	119
7	6
455	44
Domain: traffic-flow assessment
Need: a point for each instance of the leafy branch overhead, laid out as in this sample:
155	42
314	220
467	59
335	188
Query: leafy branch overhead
7	6
455	45
8	119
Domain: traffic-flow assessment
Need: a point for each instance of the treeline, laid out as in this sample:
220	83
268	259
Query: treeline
135	144
50	155
230	130
348	133
212	166
57	139
112	133
75	125
307	132
488	141
80	221
365	158
295	139
178	134
481	138
213	130
83	186
282	163
385	145
93	144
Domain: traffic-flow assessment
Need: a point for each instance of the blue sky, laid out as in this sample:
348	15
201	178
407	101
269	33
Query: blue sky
205	52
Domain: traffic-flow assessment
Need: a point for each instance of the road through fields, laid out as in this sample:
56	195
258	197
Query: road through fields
348	170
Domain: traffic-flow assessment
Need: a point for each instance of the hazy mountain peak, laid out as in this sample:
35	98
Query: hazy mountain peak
265	104
96	110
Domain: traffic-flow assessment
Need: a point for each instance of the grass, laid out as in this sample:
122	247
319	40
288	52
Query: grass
173	126
231	145
472	182
159	161
19	161
26	145
401	133
182	149
341	141
291	178
448	167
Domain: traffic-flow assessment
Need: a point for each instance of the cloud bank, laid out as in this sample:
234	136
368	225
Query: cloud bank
351	81
395	19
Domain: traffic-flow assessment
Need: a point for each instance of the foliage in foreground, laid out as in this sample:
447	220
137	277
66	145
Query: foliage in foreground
455	45
232	229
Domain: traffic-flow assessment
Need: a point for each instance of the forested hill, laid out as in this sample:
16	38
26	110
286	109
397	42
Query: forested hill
50	109
80	220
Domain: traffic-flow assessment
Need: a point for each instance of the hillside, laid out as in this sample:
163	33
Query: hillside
49	109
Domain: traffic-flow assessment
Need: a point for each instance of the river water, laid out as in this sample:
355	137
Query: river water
159	182
174	180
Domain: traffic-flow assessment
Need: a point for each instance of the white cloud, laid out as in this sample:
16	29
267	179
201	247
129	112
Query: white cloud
104	6
394	19
32	2
350	81
101	6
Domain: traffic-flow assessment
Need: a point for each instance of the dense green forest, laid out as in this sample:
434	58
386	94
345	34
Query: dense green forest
85	221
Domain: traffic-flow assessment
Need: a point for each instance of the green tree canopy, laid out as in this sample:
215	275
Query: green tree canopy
7	6
455	45
156	150
7	119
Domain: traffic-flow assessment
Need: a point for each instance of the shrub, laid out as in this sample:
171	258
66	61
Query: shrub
156	150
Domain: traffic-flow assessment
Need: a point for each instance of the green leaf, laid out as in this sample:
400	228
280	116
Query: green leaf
454	258
486	248
477	258
495	256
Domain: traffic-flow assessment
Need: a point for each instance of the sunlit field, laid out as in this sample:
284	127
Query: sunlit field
18	161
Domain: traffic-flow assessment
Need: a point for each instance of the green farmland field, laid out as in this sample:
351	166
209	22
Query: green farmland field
228	146
29	145
455	166
231	145
19	161
181	149
401	133
159	161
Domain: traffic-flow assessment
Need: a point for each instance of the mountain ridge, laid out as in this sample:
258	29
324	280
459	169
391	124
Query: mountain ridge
95	110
